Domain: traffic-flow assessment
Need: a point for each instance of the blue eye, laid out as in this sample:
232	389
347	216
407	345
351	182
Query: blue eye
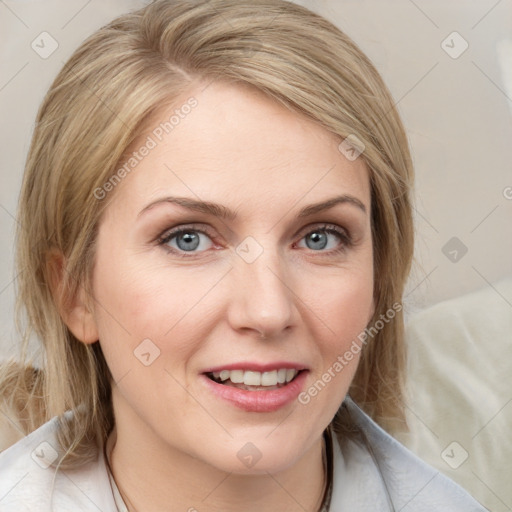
187	240
325	239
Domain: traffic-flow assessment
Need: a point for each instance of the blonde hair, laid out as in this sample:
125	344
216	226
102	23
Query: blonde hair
94	111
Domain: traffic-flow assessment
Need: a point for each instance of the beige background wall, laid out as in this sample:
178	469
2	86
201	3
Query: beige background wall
457	109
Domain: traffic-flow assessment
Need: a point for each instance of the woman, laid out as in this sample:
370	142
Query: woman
216	231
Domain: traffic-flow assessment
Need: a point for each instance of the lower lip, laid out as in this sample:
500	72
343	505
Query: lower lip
258	401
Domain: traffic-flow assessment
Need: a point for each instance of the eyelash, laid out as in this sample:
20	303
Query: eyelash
345	239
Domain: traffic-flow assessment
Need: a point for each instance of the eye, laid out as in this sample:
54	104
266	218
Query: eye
187	240
325	239
190	240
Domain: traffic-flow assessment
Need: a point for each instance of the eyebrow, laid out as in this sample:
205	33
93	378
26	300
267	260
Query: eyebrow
218	210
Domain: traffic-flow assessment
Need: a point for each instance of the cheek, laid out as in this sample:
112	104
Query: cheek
160	301
139	302
345	307
350	310
345	301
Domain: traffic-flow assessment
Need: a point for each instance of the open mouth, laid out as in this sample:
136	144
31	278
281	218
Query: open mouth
255	381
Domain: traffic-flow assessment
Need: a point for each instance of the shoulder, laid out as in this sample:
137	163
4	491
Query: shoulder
30	482
374	467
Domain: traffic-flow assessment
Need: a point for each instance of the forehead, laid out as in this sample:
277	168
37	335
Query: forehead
232	144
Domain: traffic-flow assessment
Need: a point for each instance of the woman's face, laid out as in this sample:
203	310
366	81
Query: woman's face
244	220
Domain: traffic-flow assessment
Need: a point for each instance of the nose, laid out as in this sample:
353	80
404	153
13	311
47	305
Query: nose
262	300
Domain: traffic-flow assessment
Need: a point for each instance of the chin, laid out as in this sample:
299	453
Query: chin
259	456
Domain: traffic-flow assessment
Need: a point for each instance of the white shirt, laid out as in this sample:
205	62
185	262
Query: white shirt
377	476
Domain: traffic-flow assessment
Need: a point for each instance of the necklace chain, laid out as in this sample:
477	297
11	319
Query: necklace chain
126	500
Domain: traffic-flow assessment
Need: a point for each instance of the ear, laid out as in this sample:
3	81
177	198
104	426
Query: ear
75	308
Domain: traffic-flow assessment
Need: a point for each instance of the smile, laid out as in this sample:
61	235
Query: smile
254	380
262	388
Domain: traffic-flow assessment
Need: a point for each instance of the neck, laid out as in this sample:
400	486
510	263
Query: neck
151	477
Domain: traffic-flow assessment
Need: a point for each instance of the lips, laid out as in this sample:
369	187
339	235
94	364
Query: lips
255	387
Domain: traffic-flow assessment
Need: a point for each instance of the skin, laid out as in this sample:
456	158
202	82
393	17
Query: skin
176	443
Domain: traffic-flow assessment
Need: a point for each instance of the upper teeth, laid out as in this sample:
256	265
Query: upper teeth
250	378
